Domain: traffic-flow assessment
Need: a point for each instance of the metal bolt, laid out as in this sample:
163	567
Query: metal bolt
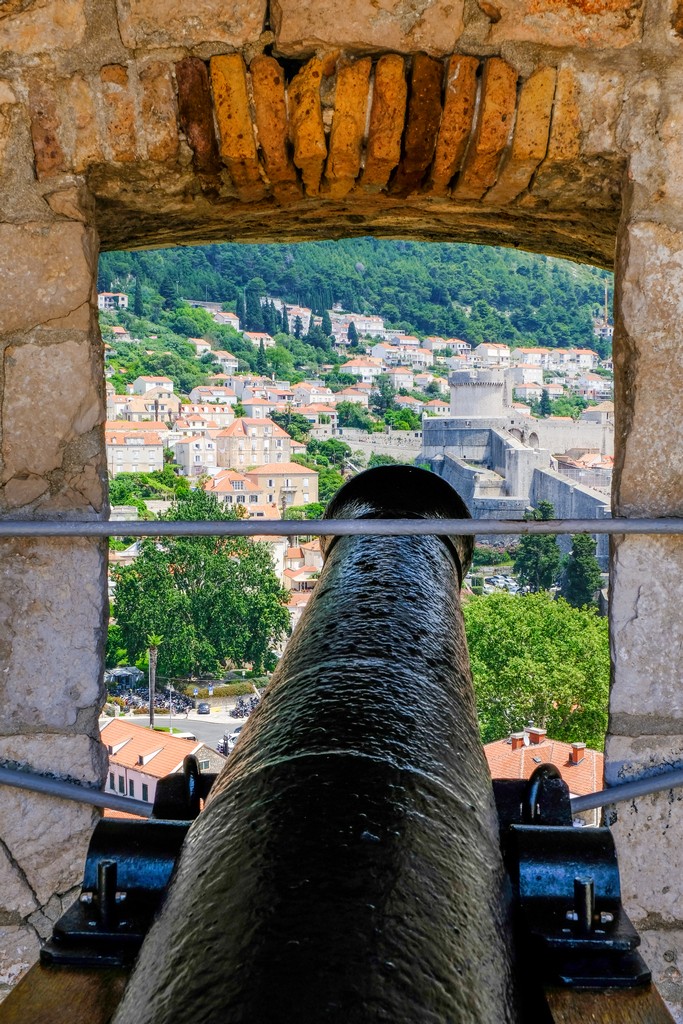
584	903
106	892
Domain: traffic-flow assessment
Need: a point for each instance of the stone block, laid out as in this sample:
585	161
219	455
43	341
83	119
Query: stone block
43	26
663	953
306	124
158	111
150	23
406	26
47	273
52	396
52	606
48	838
460	97
17	900
45	123
530	141
19	949
270	107
583	23
422	123
235	129
387	116
348	126
492	132
87	147
648	356
647	576
119	112
195	113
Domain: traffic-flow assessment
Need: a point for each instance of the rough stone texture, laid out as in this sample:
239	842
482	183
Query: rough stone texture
422	124
530	141
387	113
195	114
492	132
663	953
19	946
43	27
433	26
348	126
564	144
236	133
119	113
582	23
87	148
158	111
44	129
153	23
51	589
648	344
306	124
456	121
49	261
270	107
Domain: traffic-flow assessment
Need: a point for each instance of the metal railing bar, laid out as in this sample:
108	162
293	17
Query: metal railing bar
335	527
628	790
20	778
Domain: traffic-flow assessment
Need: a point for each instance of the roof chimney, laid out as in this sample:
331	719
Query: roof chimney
536	735
517	740
576	754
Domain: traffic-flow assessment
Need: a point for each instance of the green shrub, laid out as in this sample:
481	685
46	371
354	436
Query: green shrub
484	554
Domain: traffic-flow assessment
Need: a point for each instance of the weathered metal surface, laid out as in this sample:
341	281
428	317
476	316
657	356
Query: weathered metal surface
346	867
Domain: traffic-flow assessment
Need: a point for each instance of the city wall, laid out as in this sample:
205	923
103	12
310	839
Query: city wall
551	125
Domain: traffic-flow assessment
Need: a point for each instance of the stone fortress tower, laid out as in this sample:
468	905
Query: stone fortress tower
477	394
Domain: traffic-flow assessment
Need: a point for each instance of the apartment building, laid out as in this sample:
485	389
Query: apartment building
132	450
252	441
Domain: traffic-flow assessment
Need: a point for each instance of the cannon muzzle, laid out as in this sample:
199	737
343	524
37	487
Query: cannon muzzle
346	867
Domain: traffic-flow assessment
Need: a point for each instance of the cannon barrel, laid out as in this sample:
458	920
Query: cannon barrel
346	867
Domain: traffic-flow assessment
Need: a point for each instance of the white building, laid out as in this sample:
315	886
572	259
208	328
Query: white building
196	455
112	300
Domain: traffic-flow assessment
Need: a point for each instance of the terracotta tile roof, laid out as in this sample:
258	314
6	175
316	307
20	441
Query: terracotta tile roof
281	469
583	778
162	753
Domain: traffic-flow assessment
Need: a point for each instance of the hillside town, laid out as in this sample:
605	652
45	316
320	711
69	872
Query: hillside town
229	435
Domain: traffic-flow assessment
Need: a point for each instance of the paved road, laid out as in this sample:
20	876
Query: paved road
208	729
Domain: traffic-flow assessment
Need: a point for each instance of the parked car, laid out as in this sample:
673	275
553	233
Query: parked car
203	708
233	738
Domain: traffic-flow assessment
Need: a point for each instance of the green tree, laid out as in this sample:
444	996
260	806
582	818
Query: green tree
538	659
326	324
241	311
298	327
138	306
355	415
262	359
538	560
296	425
382	398
217	600
352	334
545	406
581	577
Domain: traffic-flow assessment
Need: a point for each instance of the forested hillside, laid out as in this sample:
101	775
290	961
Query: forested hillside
472	292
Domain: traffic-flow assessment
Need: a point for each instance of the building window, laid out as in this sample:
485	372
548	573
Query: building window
203	766
305	483
271	497
131	787
145	791
241	499
270	483
122	785
278	443
112	783
253	498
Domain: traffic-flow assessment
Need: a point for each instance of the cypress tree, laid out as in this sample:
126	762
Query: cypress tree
538	559
261	360
352	334
326	325
582	573
285	319
298	327
138	307
545	408
241	311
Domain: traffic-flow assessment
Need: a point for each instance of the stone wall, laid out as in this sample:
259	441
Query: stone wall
547	124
